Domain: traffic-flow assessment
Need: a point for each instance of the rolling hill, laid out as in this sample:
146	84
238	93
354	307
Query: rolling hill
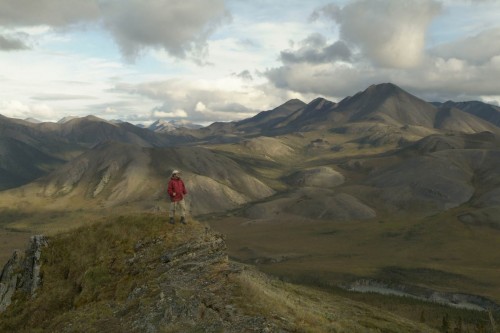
31	150
113	174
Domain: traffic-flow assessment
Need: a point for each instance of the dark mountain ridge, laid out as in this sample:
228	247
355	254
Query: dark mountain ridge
267	119
30	150
488	112
381	114
383	103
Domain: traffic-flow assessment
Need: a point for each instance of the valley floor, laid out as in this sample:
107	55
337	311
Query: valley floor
422	255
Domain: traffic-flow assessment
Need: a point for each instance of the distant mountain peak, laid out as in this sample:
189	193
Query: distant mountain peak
93	118
66	119
319	103
385	88
294	102
162	125
77	119
33	120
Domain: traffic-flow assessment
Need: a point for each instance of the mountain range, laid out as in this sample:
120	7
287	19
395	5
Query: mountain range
82	156
381	179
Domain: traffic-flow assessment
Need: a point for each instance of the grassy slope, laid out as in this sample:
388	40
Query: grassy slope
86	278
324	254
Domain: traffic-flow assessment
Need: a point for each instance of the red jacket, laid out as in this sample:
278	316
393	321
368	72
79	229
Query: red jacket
176	185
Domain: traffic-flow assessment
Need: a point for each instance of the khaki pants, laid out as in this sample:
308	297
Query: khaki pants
179	206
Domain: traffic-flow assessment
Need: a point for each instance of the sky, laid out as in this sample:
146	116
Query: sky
225	60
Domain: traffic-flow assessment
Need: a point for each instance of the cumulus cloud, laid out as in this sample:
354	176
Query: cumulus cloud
56	13
387	33
11	44
61	97
315	49
477	49
18	109
323	79
179	27
244	75
442	79
330	11
436	79
390	33
177	113
201	102
386	39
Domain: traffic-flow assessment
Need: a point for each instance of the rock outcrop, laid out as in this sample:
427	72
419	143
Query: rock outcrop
22	272
187	288
194	291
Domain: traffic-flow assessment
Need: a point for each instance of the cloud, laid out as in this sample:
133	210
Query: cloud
61	97
200	101
244	75
330	11
11	44
443	79
55	13
386	39
476	49
389	33
200	107
179	27
330	80
68	84
18	109
314	49
436	79
178	113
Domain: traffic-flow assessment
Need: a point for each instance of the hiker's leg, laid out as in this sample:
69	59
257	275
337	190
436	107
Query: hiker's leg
182	208
171	212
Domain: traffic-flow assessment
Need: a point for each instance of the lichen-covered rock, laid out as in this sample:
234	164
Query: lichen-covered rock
22	272
8	280
194	292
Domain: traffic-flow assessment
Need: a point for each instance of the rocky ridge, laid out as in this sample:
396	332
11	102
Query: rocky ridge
190	290
195	291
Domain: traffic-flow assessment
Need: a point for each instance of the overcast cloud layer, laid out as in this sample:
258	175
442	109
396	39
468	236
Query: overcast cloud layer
216	60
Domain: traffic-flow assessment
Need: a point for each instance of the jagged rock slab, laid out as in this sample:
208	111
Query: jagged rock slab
22	272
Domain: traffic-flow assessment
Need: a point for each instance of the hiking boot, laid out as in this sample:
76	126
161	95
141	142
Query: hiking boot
171	220
183	220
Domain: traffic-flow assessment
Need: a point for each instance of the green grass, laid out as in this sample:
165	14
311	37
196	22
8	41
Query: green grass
85	270
310	310
432	314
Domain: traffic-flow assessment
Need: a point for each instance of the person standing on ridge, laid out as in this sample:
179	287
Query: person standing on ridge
177	190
